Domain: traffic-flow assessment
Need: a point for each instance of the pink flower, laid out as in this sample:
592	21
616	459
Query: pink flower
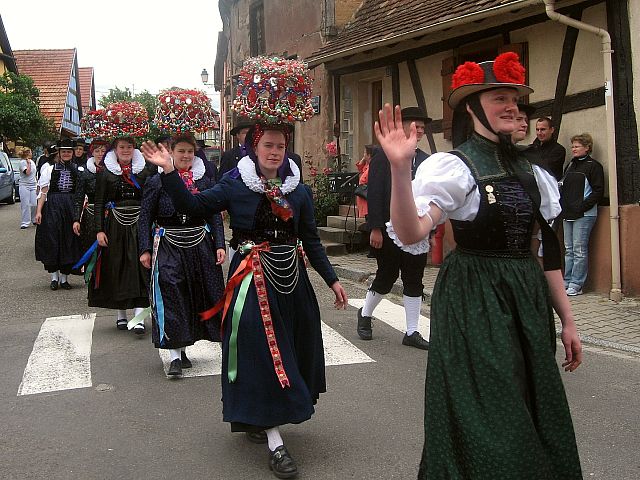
332	148
313	171
327	170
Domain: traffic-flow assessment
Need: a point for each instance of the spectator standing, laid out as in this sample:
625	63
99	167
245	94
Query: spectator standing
363	168
547	152
582	190
27	187
231	157
79	153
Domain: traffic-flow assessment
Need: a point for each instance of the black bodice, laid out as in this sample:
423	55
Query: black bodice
506	215
267	228
64	177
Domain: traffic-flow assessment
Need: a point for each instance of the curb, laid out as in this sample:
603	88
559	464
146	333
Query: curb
367	278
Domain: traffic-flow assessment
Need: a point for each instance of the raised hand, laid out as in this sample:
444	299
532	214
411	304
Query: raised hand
158	155
398	147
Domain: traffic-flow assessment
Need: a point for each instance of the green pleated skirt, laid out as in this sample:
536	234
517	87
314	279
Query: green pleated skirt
495	406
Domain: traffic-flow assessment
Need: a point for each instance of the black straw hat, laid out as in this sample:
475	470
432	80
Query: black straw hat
240	125
66	144
415	113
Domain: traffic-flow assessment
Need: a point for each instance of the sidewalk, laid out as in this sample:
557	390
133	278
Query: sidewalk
600	321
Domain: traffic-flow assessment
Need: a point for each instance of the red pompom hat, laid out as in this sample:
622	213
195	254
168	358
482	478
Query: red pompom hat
470	77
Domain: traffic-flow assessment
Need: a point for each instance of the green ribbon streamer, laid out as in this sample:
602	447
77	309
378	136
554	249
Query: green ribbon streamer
90	266
139	318
232	368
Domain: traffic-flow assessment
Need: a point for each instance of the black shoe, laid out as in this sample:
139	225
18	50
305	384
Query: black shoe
186	363
281	463
364	326
257	437
54	285
175	369
415	340
65	286
121	324
138	329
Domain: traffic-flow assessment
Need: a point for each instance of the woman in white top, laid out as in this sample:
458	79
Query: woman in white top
495	406
27	189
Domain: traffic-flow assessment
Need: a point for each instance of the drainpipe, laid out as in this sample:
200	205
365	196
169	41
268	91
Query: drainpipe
615	293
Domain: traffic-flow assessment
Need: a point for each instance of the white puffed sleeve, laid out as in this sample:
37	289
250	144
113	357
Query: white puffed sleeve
444	180
45	175
549	193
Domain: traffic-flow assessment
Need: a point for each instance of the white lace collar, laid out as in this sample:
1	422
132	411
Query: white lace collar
247	170
197	167
91	165
111	162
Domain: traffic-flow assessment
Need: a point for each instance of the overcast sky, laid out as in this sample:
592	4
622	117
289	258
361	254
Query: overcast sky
139	44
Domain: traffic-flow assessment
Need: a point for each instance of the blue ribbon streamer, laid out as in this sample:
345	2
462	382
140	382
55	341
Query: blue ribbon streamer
158	302
87	255
135	182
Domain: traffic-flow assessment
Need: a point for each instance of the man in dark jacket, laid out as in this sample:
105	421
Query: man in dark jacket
231	157
391	260
545	150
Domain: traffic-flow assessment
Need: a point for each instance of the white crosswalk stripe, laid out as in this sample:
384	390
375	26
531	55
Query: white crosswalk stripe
61	356
393	315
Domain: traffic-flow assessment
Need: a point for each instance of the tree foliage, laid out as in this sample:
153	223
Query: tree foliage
20	117
146	99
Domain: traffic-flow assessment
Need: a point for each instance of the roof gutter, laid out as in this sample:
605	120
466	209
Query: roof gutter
442	25
615	293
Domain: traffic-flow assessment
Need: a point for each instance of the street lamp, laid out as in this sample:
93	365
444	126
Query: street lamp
204	75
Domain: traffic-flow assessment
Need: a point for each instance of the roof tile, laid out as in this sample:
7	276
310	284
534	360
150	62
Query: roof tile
51	73
380	20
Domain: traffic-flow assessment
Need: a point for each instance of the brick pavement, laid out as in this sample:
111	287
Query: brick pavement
599	320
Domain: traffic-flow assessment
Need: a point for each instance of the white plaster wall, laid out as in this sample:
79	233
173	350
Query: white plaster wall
634	22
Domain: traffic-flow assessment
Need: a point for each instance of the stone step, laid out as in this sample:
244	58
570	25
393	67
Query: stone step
339	235
332	248
350	223
344	210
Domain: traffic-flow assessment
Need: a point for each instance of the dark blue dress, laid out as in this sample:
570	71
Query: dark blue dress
256	399
189	281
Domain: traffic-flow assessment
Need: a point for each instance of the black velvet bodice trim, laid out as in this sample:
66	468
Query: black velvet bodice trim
54	183
267	227
505	219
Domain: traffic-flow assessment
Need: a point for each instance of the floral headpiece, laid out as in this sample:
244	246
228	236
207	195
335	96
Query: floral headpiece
93	123
181	111
272	89
121	119
470	77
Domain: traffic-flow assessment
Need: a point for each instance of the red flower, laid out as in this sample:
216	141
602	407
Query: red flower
507	68
327	170
313	171
466	74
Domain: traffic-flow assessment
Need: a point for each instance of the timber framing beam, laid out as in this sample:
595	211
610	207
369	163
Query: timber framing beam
417	90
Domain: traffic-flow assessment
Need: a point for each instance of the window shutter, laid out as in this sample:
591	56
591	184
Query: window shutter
448	67
522	49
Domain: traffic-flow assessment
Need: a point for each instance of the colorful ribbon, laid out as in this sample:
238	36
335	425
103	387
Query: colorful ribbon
249	268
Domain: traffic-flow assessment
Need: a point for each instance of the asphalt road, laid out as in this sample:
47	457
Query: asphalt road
134	423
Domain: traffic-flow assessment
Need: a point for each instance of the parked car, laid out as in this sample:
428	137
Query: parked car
7	188
15	163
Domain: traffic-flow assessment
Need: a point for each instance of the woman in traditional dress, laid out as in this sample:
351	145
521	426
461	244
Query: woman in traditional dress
185	254
84	200
495	406
56	245
118	280
273	358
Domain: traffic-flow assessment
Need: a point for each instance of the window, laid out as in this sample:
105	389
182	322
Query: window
256	29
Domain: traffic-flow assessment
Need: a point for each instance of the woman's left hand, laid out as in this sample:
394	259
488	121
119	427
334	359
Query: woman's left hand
220	256
572	348
341	296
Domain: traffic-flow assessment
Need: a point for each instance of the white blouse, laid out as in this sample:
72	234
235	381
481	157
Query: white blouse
444	180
